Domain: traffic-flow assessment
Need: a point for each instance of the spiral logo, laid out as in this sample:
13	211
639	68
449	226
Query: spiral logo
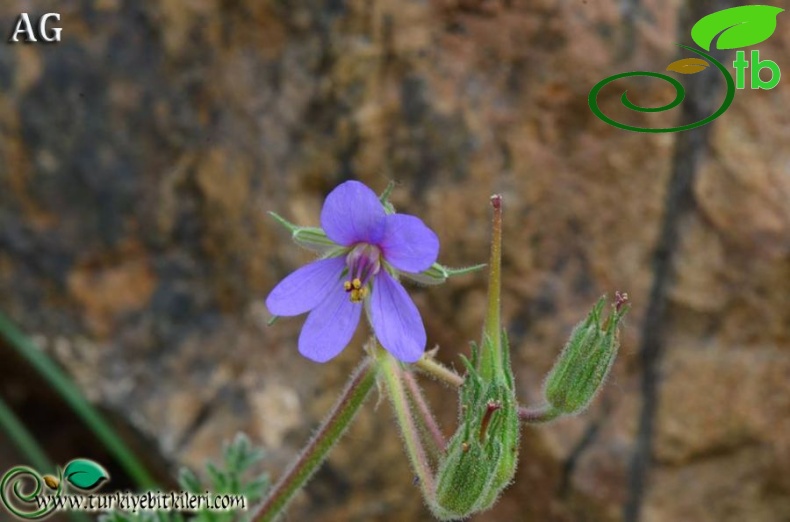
680	94
731	28
22	489
19	497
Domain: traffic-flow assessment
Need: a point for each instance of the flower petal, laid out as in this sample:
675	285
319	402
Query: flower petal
352	213
408	244
396	320
329	327
305	288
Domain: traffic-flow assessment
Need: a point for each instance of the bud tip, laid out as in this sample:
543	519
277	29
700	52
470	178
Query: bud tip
620	300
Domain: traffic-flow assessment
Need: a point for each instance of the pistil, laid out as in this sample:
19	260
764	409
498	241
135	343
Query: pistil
364	261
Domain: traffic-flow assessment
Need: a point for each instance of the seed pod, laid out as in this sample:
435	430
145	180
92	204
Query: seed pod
480	460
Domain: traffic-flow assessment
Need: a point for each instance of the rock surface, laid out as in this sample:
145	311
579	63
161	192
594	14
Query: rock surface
138	158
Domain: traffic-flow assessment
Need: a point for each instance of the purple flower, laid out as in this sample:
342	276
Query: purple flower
373	246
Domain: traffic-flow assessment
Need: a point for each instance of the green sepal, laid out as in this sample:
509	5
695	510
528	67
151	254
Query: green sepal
312	238
478	465
438	274
384	198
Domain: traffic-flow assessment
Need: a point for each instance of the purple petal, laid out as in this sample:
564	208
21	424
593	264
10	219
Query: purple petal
352	213
408	244
396	321
304	289
329	327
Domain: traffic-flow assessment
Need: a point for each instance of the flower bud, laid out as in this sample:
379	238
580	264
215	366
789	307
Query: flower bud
586	360
480	459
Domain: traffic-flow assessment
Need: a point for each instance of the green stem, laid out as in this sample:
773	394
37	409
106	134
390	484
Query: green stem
393	379
23	439
27	444
538	415
74	398
313	455
437	370
428	420
534	415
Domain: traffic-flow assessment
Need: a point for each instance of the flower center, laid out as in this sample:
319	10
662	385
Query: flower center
363	262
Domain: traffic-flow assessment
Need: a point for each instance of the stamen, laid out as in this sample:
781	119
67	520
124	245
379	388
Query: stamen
364	262
358	294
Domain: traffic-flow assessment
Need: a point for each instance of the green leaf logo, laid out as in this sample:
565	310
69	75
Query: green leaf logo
739	26
85	474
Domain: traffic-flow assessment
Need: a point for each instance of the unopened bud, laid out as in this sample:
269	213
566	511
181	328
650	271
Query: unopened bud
586	360
480	459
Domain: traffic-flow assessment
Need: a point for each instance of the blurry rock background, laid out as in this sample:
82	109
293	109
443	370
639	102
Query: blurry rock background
139	155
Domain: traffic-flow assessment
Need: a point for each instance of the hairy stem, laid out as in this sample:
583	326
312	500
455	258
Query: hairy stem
425	412
393	379
313	455
537	415
531	415
437	370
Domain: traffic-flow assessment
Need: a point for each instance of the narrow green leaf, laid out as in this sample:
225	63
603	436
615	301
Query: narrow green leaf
189	481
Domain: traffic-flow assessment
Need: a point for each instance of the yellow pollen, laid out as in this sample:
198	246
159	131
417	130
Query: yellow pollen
358	294
356	283
347	286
